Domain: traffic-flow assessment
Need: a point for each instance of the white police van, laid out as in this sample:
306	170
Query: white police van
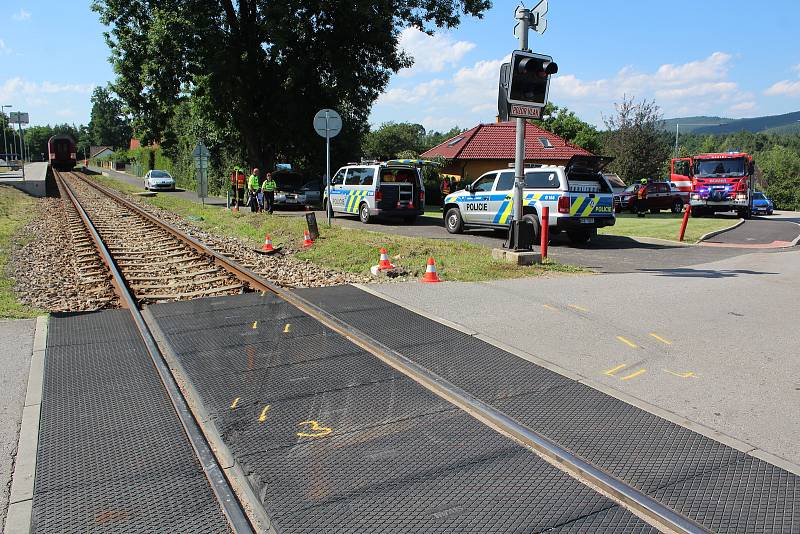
579	197
391	189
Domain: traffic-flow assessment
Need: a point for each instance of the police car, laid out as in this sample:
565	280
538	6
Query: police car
578	195
393	189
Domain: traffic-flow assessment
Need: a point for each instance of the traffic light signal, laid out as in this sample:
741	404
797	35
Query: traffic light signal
530	78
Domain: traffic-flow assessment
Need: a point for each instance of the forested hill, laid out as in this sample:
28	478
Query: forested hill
778	124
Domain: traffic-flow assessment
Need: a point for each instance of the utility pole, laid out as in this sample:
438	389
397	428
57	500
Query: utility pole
5	127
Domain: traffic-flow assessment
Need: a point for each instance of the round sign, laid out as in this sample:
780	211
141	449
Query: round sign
327	123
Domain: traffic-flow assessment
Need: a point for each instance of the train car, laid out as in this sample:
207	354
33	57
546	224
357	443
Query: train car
62	152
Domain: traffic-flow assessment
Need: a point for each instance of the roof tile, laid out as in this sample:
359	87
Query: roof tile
498	140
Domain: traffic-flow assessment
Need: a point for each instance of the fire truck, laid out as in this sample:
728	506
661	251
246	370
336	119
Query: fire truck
716	182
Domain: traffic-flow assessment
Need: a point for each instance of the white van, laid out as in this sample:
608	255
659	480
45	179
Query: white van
390	189
579	197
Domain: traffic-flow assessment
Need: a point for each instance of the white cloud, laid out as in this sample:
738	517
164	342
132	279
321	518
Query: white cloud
784	88
4	50
742	107
19	88
796	68
22	15
432	53
413	95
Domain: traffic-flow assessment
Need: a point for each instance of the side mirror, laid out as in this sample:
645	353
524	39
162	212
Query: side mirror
469	188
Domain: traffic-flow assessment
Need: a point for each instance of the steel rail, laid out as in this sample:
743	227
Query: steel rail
228	502
635	499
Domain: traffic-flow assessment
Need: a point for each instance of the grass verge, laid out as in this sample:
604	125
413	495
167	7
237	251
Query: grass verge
347	249
664	226
16	210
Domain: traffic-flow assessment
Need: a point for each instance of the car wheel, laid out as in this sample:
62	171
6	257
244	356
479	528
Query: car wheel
363	213
533	220
145	186
677	206
580	237
655	211
453	221
745	213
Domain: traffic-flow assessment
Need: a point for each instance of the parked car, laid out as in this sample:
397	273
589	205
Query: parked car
159	180
761	204
289	191
312	191
660	196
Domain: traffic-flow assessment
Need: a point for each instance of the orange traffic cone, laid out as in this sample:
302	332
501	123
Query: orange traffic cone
430	272
307	242
268	245
385	264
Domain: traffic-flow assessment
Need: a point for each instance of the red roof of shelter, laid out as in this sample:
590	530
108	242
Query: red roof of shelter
497	141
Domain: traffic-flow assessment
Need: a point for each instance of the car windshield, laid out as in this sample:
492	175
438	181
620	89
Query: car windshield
631	188
160	174
759	196
709	168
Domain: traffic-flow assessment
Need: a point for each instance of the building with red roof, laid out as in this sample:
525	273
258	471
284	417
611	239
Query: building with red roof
491	146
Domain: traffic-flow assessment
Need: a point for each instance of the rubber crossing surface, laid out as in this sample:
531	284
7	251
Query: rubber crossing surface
112	455
719	487
335	441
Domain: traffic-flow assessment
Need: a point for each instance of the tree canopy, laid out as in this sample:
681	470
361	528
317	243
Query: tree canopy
108	125
264	67
395	140
639	147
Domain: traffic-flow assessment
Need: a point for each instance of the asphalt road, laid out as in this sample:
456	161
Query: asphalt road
16	345
606	254
710	343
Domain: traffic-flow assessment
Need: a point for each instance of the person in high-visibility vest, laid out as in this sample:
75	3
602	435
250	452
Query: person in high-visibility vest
234	188
268	187
252	190
641	198
241	185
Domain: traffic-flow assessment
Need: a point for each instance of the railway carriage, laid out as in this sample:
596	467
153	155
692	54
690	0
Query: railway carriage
62	152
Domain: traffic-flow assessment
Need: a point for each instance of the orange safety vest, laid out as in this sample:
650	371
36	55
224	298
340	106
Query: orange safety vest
240	180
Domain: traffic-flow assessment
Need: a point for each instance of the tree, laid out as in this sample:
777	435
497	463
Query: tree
635	140
565	124
781	172
108	125
392	138
265	66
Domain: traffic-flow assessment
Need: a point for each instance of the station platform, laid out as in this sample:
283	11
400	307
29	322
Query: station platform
334	440
34	182
112	454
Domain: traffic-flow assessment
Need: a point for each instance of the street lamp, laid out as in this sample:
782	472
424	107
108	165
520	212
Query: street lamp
5	127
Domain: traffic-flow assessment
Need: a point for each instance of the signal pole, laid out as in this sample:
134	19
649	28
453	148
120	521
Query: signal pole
523	16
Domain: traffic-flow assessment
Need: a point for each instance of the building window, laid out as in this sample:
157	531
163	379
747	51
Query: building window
546	142
455	141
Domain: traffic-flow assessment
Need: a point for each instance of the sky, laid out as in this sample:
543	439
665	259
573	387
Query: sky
711	57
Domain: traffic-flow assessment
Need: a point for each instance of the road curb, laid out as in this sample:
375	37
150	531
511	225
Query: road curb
20	503
238	479
709	235
680	420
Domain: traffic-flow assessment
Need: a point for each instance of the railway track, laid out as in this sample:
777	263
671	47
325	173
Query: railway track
157	265
137	264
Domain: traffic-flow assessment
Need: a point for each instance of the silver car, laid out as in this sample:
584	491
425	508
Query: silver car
157	180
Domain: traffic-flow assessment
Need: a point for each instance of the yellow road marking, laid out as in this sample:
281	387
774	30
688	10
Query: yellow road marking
255	325
611	372
263	416
287	328
549	307
661	339
579	308
315	426
689	374
634	375
628	342
235	403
